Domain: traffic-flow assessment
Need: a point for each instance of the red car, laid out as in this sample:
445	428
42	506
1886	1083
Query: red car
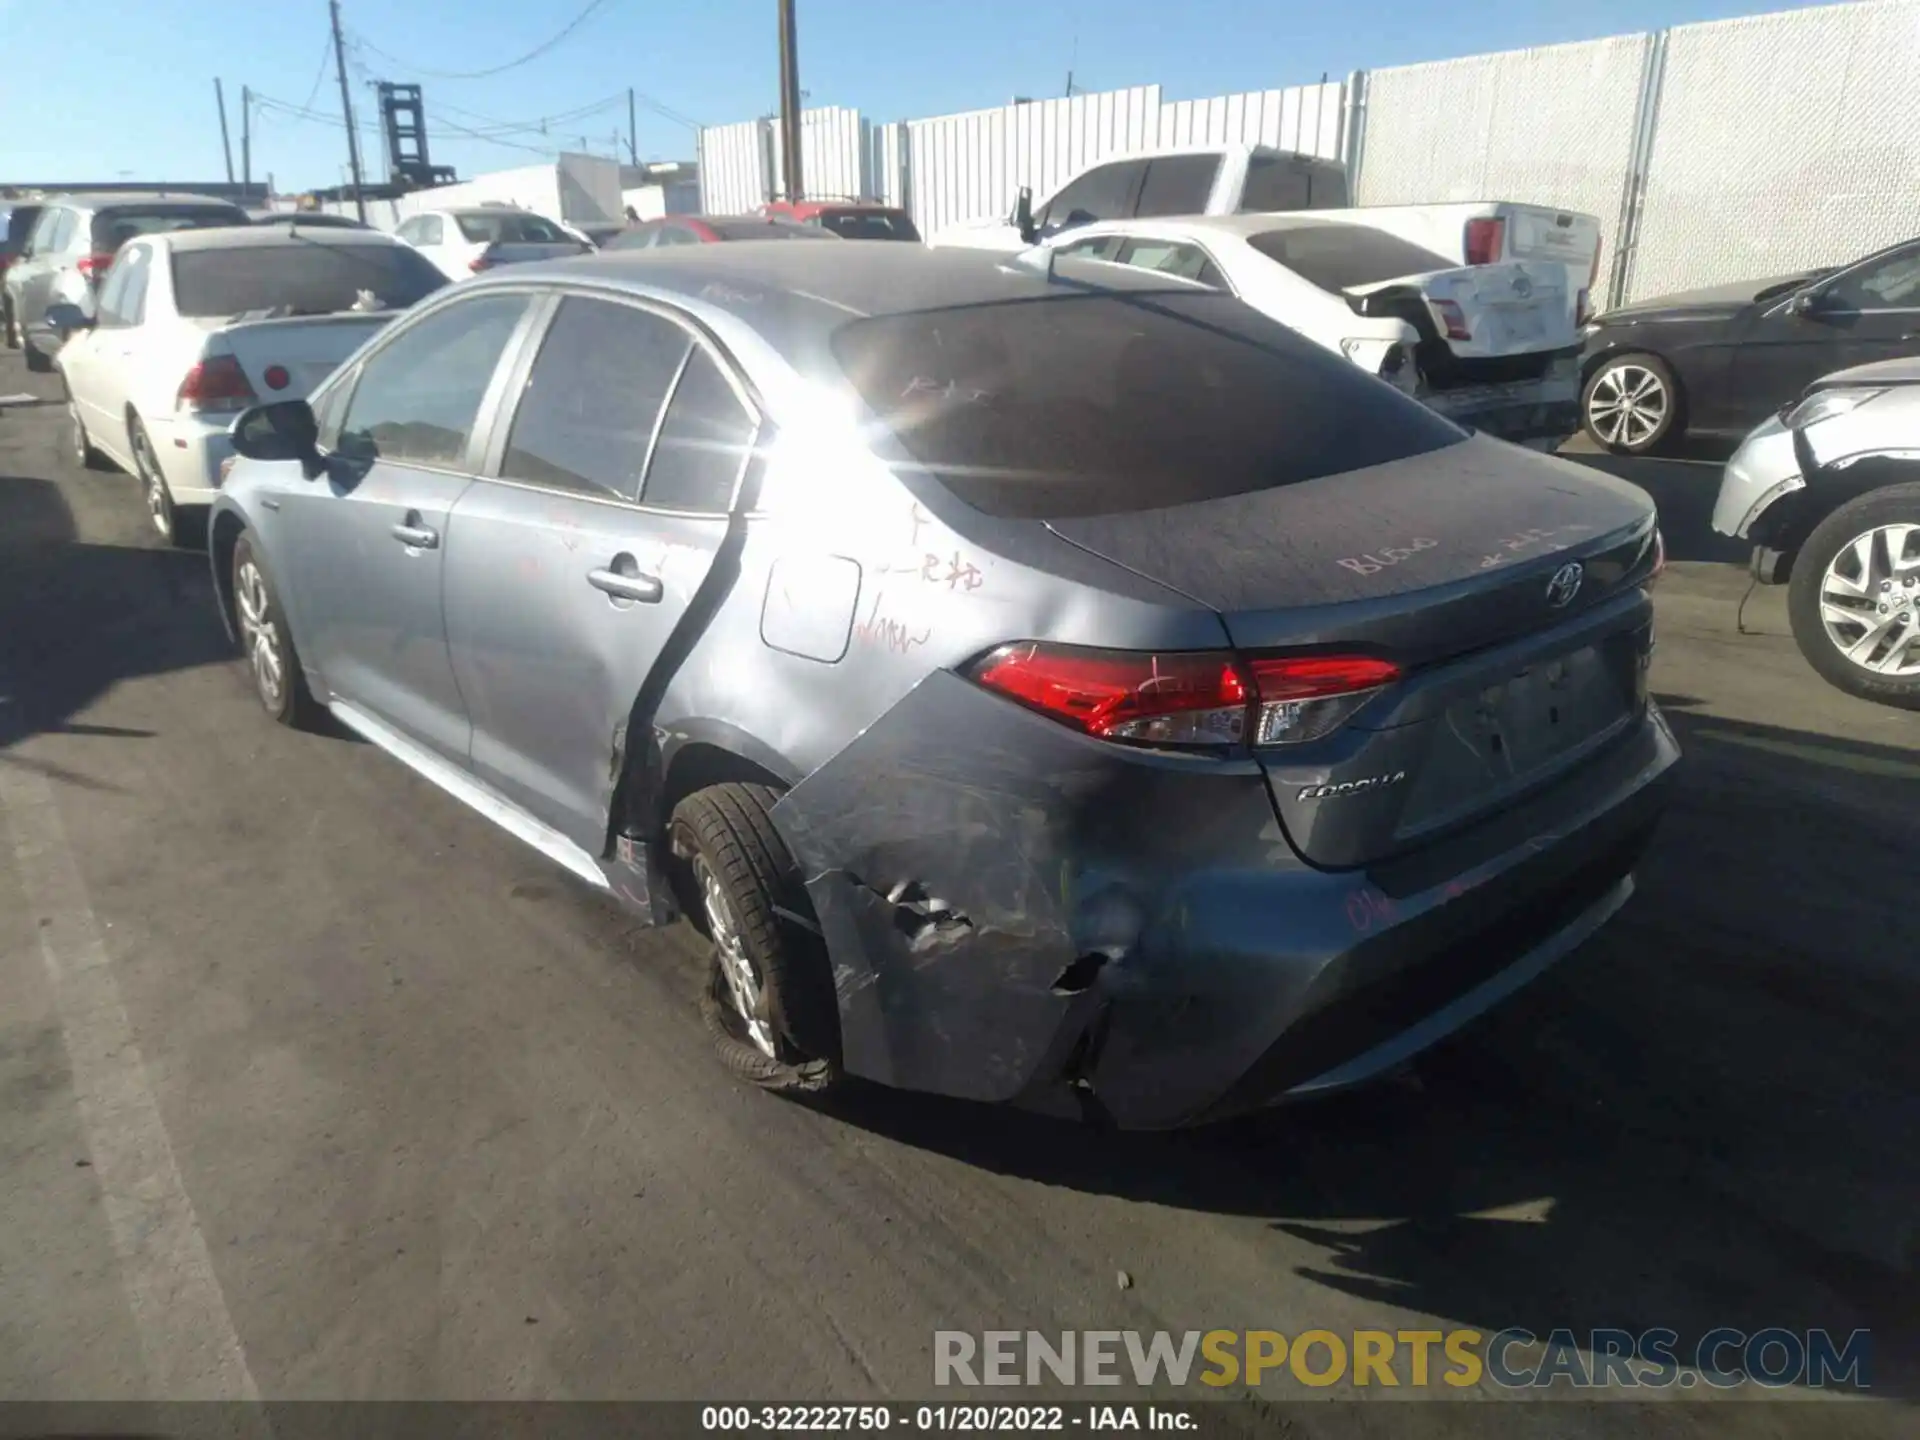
708	230
849	219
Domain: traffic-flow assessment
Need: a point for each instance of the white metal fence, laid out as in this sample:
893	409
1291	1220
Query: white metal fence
1709	152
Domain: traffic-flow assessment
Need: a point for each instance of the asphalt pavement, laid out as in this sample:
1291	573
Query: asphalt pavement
315	1085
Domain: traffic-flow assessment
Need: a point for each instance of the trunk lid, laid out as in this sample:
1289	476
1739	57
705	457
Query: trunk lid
1458	566
308	347
1508	308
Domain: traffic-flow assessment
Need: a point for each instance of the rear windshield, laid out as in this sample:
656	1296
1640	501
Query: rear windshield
764	230
869	224
113	228
322	278
1292	182
1336	256
512	228
1094	404
316	221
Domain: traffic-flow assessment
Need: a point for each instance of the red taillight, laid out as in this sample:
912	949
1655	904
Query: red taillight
479	263
1485	240
1659	556
1205	698
1453	317
93	267
216	383
276	377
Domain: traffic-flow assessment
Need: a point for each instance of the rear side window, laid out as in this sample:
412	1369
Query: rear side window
764	230
416	399
630	240
54	232
511	228
592	402
869	225
1178	185
704	441
1336	256
1095	404
318	277
1291	182
113	228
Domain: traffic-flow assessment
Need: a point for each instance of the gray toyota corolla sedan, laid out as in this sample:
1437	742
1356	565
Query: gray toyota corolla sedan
1063	687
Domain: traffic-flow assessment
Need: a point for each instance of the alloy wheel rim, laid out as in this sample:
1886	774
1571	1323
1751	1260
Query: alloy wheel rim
259	636
743	984
1870	600
159	506
1628	405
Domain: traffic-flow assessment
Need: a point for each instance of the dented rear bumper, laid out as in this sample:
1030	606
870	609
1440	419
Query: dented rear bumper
1016	913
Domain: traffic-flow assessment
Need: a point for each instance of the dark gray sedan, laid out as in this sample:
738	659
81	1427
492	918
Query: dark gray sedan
1063	687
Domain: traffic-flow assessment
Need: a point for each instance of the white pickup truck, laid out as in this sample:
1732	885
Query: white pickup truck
1259	179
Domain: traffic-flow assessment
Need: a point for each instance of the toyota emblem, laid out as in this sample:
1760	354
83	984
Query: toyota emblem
1565	584
1522	286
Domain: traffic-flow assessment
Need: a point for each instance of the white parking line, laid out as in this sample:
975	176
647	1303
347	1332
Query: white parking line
186	1334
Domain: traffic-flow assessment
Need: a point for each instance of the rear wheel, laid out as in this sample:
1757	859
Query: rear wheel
174	527
766	984
1631	404
1854	599
273	665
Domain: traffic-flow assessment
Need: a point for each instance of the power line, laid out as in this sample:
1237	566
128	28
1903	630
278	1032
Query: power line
272	106
320	78
532	55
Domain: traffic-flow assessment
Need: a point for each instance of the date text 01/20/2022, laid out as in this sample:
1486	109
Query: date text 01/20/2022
961	1419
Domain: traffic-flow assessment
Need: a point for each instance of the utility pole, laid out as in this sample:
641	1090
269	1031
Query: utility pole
790	105
226	145
633	131
346	106
246	135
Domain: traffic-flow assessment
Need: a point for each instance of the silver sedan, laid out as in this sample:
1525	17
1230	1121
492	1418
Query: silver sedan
1060	686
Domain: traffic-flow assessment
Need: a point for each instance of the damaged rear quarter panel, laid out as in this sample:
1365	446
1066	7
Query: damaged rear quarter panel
963	852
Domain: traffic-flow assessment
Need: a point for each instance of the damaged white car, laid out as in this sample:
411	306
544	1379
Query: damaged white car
1495	347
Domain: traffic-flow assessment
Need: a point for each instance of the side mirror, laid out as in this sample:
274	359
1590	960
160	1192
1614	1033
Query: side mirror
1810	303
284	430
1023	216
67	319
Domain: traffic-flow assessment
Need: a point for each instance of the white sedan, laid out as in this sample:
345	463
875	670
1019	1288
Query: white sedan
1493	346
193	326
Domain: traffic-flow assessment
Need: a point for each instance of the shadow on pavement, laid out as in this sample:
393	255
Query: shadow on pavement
76	619
1708	1117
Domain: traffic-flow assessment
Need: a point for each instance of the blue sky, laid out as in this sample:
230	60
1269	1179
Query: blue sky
130	90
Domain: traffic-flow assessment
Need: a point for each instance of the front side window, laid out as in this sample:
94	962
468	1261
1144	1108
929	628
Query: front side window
418	397
1889	284
1101	247
1178	185
1104	402
1103	193
592	402
704	442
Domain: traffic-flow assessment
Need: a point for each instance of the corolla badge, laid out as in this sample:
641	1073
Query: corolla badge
1565	584
1350	787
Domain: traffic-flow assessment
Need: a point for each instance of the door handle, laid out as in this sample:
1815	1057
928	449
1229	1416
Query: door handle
416	537
647	589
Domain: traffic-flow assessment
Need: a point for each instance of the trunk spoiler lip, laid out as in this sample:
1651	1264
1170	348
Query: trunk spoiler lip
1315	621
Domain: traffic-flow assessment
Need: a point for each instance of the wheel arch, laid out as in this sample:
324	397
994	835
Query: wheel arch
1787	526
223	534
681	758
